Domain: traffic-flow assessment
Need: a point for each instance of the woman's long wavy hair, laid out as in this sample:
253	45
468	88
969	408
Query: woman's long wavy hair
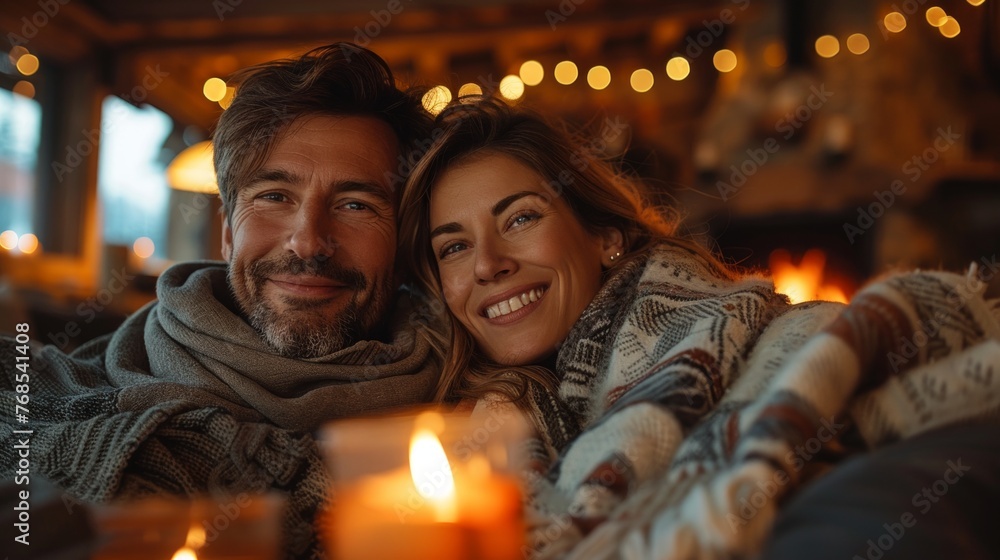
598	196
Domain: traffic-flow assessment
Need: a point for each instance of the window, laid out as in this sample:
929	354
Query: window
20	128
131	178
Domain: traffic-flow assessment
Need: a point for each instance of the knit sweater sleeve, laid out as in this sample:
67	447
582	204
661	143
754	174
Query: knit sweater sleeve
207	451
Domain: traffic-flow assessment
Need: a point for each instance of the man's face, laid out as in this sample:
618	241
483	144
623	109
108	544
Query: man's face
312	236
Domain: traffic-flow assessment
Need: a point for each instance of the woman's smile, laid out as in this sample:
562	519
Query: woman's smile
505	308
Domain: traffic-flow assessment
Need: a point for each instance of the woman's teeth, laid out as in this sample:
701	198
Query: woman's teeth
514	303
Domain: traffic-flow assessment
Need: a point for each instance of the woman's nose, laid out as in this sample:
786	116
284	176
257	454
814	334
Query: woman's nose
493	262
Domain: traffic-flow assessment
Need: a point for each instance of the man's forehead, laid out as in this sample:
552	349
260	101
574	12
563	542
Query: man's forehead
359	151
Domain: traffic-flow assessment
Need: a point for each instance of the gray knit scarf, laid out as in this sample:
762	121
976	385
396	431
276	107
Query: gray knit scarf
190	346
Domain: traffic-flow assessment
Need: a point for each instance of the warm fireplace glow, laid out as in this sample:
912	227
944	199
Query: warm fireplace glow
805	281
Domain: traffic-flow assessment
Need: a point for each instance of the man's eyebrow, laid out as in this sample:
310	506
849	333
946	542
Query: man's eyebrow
510	199
273	176
289	178
365	187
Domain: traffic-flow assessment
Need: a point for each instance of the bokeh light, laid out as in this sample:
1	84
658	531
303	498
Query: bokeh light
599	77
641	80
678	68
950	28
724	60
27	64
24	88
894	22
143	247
566	72
858	43
227	99
511	87
469	89
8	240
936	16
28	243
214	89
531	73
436	99
827	46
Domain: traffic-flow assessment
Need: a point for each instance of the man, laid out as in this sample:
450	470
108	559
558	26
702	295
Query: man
214	387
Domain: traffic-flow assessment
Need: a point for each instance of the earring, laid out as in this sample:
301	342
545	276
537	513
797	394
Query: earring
615	256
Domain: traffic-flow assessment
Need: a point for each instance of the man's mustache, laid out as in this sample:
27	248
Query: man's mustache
321	267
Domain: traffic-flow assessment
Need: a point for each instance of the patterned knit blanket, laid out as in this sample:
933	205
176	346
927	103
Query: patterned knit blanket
690	405
185	399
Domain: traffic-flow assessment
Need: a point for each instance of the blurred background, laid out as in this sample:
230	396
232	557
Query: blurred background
828	142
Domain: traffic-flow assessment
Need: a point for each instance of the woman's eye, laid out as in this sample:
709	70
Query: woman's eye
451	249
522	218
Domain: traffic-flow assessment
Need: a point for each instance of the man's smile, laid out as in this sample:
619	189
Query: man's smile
308	286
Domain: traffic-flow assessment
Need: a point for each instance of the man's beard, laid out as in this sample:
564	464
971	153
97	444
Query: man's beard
300	329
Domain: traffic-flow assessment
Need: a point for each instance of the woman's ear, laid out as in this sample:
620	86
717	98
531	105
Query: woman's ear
613	246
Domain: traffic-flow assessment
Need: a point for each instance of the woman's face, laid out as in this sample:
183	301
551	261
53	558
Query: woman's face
517	268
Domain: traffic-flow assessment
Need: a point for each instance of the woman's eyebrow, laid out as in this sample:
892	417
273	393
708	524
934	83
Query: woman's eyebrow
510	199
450	227
500	206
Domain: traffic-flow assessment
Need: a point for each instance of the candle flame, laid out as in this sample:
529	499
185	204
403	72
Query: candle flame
185	553
431	473
195	540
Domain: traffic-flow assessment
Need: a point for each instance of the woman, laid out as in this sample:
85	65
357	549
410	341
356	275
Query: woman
580	220
573	299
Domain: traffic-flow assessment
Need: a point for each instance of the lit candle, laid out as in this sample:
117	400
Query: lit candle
435	507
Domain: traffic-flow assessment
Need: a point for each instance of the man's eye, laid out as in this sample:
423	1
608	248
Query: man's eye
273	197
356	206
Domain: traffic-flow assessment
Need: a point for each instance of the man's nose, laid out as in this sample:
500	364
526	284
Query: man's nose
312	232
493	262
